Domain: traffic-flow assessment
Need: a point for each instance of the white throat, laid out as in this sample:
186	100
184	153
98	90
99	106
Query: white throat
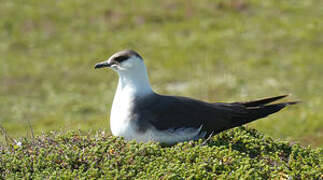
134	82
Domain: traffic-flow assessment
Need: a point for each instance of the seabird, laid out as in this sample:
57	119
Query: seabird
138	113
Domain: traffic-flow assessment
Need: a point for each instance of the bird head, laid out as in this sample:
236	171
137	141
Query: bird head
126	60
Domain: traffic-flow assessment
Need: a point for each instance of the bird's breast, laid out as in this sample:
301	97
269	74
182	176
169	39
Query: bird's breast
120	118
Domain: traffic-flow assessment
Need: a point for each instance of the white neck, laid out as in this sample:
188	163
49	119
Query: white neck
134	83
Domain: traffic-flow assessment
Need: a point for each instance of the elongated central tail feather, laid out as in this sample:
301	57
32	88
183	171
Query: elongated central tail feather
259	109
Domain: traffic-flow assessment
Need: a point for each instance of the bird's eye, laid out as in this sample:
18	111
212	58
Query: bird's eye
119	59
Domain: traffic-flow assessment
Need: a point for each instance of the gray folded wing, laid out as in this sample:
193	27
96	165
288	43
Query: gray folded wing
173	112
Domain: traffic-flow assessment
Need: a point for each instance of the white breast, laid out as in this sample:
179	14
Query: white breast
120	115
131	85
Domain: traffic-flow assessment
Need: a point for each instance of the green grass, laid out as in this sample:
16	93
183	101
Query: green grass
211	50
235	154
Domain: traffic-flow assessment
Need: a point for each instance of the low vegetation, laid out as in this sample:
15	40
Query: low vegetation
234	154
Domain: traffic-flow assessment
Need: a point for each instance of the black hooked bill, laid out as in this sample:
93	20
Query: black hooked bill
102	64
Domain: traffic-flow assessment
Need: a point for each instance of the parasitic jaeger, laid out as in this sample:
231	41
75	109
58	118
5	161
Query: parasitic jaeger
138	113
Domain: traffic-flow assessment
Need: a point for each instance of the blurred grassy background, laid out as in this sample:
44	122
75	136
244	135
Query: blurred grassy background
211	50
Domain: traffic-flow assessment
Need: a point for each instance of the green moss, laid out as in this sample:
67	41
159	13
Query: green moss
237	153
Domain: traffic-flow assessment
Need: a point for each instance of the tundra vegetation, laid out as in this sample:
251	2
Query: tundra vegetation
238	153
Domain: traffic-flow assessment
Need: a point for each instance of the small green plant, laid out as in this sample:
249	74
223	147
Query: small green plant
237	153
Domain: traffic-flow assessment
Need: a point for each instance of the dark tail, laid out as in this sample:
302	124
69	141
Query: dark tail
259	108
263	111
261	102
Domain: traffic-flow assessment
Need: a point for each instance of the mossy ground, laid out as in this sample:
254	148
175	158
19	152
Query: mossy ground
238	153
